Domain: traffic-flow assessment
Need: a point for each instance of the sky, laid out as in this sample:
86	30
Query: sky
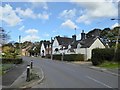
36	20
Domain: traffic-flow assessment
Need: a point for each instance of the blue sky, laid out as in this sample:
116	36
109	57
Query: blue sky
43	20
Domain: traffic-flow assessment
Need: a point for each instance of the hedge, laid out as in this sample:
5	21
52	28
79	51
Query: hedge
69	57
101	55
13	61
48	56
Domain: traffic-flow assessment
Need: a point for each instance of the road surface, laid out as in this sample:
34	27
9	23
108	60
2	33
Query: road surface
67	75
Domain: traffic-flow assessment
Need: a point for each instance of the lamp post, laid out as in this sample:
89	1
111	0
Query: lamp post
51	49
116	45
20	45
63	52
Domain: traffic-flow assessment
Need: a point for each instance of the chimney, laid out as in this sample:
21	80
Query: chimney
74	37
82	35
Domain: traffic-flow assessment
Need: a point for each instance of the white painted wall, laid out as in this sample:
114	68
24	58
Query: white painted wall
88	51
42	48
54	46
96	44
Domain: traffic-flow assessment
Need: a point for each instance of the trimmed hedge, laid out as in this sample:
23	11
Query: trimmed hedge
12	61
48	56
101	55
69	57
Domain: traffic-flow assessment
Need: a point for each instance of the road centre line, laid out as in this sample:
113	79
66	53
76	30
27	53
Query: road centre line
98	81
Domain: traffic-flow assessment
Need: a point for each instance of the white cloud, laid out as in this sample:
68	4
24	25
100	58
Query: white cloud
21	28
32	35
94	10
31	38
26	13
30	14
8	15
69	24
44	16
13	17
31	31
115	25
68	14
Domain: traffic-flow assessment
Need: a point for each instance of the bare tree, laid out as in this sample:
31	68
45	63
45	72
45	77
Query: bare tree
4	37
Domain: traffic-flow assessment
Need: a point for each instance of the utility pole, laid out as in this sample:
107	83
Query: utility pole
75	31
20	45
76	37
117	40
51	49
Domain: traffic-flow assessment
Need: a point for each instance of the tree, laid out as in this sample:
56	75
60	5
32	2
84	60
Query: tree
4	37
9	51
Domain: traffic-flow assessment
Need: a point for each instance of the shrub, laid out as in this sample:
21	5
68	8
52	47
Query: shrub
70	57
101	55
48	56
57	57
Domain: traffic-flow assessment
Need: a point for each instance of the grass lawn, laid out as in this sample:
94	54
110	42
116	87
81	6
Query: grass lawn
4	67
111	65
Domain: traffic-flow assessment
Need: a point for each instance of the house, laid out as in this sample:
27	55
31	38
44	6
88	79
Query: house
25	51
87	45
45	48
62	44
72	46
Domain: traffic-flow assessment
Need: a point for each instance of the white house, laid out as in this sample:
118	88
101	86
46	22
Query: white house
45	48
72	46
62	44
86	46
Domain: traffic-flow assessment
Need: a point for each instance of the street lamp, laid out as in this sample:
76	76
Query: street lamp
116	45
20	45
51	49
63	52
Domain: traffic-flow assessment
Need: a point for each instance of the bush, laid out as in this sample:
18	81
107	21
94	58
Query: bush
101	55
12	61
48	56
70	57
57	57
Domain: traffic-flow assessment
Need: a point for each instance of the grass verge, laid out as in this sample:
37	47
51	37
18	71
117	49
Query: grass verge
110	65
4	68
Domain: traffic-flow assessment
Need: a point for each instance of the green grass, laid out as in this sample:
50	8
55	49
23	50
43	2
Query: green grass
111	65
4	67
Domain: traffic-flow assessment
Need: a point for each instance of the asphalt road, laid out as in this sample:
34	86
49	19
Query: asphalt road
65	75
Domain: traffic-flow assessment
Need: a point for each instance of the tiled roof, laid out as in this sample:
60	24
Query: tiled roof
46	43
64	41
88	42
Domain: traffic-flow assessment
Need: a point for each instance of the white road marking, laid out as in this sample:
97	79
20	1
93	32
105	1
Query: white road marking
98	82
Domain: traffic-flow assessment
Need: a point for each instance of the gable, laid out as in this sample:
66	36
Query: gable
97	44
55	43
42	47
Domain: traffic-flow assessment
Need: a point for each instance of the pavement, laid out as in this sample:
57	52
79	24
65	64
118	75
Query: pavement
16	78
88	64
13	74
